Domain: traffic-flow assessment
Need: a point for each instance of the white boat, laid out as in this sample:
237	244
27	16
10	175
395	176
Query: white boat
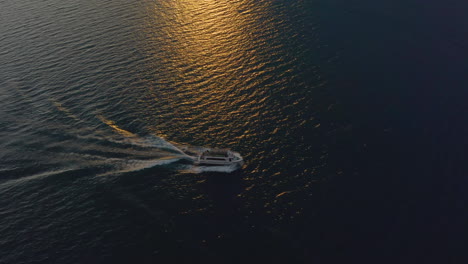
220	157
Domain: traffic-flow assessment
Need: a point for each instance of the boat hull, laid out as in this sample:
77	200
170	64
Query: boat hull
234	158
217	163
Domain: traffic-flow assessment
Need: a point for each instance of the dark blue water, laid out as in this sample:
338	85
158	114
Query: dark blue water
351	117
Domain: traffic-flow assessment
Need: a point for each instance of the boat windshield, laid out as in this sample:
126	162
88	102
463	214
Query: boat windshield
216	153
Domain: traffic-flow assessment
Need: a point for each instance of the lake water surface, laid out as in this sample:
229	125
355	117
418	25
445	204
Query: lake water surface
350	117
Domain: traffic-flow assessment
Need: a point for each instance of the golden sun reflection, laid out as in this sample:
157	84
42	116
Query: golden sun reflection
211	39
209	54
207	39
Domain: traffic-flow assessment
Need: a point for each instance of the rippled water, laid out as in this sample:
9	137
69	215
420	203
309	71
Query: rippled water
98	95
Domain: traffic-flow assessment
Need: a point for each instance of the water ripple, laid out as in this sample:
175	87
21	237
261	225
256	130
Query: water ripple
98	88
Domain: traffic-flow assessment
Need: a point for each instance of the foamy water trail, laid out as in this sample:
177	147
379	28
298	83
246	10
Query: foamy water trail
177	155
137	165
